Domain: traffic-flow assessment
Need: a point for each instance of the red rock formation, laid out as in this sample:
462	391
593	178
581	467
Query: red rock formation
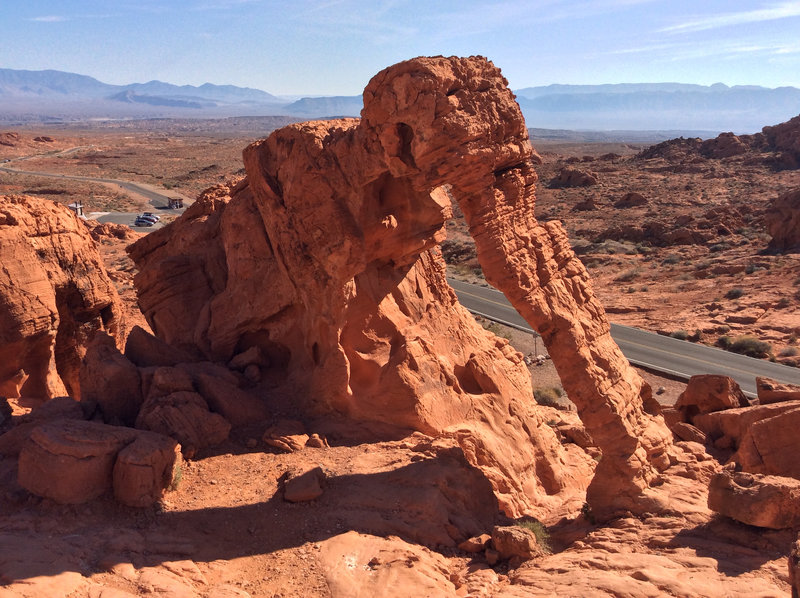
761	500
54	295
572	177
73	461
772	391
782	220
708	393
723	146
325	258
785	137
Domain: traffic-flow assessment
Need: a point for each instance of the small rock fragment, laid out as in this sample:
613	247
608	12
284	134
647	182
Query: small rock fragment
304	486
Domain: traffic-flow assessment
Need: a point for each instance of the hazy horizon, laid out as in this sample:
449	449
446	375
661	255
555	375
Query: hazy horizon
333	47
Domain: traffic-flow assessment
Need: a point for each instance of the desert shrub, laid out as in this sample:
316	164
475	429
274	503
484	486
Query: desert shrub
734	293
628	275
681	335
725	341
497	330
784	302
717	247
548	396
540	531
788	352
750	346
696	336
750	268
671	260
177	476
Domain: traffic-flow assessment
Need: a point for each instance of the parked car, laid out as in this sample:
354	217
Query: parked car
150	218
151	215
143	222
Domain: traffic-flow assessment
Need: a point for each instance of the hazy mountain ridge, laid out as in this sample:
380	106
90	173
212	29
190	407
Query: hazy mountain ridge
14	83
28	95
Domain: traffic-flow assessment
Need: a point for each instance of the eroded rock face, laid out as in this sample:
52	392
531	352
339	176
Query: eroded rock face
782	220
54	295
326	259
761	500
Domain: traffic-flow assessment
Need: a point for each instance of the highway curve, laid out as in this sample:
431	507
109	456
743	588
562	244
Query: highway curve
646	349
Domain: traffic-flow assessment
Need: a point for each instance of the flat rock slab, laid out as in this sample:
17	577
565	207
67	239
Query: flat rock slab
764	501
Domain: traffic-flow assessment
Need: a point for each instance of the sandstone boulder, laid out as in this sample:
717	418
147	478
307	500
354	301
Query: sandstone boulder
234	404
771	445
111	382
55	295
71	461
733	424
764	501
287	435
772	391
782	220
515	541
688	432
572	177
185	417
475	544
304	486
146	350
11	387
631	200
708	393
145	468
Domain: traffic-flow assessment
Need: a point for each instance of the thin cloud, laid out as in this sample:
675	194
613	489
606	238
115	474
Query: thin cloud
49	19
783	10
224	4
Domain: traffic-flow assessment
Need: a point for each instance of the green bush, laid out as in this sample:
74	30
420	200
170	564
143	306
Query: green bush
497	330
540	531
548	396
746	345
629	275
734	293
788	352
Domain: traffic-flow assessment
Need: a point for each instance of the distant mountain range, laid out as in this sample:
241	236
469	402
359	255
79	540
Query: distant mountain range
48	96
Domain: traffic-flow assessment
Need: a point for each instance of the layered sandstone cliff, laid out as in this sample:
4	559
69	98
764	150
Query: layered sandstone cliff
54	295
326	259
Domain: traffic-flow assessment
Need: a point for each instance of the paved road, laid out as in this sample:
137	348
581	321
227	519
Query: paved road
656	352
156	198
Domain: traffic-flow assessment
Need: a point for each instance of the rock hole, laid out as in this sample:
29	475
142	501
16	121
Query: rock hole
406	136
315	353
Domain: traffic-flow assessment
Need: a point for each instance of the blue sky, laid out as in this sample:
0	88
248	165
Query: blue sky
333	47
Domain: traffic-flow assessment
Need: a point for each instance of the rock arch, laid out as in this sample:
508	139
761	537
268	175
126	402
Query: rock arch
329	249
